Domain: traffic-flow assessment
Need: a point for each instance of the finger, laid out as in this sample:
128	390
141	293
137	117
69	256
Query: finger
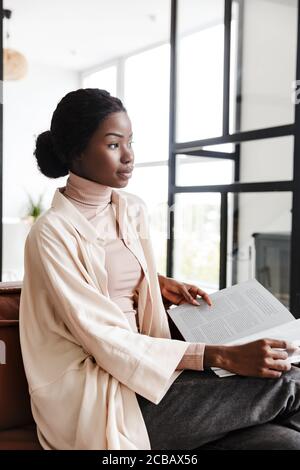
279	343
204	296
278	365
282	366
207	299
188	296
197	291
270	374
278	354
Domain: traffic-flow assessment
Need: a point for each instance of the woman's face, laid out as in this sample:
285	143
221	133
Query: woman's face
108	158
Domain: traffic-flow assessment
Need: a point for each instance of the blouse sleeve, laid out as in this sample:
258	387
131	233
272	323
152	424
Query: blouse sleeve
144	364
193	357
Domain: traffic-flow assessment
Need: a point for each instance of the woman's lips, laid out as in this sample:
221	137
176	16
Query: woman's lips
125	176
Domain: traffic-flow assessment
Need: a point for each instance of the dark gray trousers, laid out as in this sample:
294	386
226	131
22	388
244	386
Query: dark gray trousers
201	410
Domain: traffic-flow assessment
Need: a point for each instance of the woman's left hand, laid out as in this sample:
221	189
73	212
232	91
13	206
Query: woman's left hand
175	292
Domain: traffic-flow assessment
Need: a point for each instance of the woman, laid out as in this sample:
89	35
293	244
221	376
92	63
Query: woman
102	368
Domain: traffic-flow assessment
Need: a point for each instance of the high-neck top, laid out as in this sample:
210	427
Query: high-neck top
88	193
124	272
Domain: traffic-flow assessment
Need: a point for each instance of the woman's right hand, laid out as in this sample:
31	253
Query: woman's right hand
259	358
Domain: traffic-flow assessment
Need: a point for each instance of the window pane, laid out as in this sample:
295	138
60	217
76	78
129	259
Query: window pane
268	63
267	160
196	171
150	183
200	69
106	79
147	102
226	148
262	235
197	239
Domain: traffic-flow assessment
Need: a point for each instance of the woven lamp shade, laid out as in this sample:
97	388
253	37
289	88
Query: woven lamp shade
14	65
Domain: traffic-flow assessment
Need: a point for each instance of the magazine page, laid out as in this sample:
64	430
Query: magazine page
238	311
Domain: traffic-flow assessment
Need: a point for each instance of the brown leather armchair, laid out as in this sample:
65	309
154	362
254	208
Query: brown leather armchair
17	427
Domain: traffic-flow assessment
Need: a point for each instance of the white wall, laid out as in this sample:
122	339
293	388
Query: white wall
269	67
28	107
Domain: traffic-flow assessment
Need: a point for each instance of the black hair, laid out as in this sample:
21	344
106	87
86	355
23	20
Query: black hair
74	121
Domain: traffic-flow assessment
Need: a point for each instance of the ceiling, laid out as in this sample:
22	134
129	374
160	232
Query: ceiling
78	34
81	34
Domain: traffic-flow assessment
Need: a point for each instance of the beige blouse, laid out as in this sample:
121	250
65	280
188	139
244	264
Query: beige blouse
84	364
124	272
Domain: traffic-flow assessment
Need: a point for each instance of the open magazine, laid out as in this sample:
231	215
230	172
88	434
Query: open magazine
239	314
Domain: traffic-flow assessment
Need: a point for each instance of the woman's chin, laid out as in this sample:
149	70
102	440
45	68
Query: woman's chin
122	183
119	184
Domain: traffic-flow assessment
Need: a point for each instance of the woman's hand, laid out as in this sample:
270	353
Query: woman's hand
175	292
259	358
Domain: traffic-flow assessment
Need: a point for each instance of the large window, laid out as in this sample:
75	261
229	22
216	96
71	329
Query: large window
231	209
234	184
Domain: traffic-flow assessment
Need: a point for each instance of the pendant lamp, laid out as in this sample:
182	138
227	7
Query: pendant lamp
14	63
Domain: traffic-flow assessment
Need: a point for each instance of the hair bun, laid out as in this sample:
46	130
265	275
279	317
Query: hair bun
47	158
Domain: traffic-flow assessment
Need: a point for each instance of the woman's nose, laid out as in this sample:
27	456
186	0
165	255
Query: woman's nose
127	155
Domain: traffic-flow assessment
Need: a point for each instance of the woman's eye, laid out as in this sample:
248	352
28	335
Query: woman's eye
115	146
